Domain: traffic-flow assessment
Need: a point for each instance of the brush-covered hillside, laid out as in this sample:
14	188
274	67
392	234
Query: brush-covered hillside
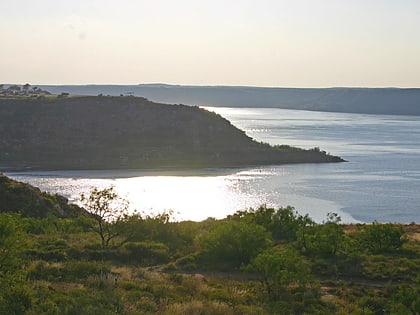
31	201
256	261
102	132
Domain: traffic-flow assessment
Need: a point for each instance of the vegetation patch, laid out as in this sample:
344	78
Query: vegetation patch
256	261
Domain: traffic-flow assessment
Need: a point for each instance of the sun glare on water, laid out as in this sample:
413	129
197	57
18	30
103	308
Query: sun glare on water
190	197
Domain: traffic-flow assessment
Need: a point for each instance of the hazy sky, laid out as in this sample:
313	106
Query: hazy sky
295	43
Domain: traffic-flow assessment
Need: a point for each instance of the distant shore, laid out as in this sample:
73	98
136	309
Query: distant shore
378	101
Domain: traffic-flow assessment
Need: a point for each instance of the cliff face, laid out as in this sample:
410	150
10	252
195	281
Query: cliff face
127	132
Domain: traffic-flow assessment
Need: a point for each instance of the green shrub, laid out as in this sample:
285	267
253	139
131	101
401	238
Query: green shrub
407	299
12	237
198	307
188	262
283	223
148	253
324	239
278	269
147	305
15	296
231	244
377	237
69	271
42	270
81	269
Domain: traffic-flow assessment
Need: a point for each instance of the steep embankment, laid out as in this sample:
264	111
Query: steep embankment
128	132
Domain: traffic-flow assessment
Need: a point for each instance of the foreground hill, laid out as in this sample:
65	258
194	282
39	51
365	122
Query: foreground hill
388	101
255	261
30	201
128	132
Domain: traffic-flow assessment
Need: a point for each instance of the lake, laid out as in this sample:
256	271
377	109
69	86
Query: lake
380	181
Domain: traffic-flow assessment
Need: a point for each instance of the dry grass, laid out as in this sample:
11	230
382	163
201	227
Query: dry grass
413	232
80	240
198	308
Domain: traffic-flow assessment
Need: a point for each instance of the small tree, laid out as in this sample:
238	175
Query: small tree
26	87
231	244
283	223
281	269
286	223
107	210
322	239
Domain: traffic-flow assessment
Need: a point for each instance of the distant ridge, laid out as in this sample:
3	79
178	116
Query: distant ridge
386	101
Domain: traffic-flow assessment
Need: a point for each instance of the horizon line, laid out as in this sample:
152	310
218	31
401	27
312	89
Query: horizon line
215	85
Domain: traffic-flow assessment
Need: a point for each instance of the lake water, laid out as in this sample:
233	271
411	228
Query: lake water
380	182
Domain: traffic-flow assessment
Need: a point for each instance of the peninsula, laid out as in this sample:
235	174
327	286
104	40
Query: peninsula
125	132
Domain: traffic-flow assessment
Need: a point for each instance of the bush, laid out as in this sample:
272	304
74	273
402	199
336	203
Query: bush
69	271
198	307
81	269
15	297
148	253
283	223
280	268
41	270
407	300
379	238
177	236
11	242
231	244
188	262
324	239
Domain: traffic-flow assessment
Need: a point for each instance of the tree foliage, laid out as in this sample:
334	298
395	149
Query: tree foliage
107	210
15	296
54	265
377	237
407	300
177	236
283	223
280	268
322	239
232	243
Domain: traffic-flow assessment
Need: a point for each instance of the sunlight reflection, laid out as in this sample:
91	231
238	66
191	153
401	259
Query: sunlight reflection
193	198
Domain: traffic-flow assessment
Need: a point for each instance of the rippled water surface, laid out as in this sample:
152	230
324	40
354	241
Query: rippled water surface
380	182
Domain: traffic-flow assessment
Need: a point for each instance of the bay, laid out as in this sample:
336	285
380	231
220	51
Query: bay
380	181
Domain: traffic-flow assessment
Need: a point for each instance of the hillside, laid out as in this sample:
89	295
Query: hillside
388	101
255	261
30	201
99	132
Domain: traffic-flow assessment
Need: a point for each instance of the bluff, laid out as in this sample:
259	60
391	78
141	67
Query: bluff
103	132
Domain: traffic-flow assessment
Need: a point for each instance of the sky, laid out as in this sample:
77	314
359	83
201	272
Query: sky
278	43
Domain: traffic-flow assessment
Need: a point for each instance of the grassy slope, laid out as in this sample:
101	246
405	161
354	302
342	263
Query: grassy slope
61	269
61	280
